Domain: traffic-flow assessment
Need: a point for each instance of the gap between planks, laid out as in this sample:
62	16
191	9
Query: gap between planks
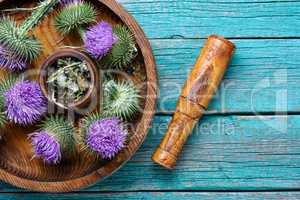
164	191
229	38
210	113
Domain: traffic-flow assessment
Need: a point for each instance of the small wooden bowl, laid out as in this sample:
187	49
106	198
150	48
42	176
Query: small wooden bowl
92	94
16	164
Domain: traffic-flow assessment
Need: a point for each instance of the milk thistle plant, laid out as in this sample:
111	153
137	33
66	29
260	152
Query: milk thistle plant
117	44
23	101
99	40
17	47
55	139
103	136
123	51
120	99
75	16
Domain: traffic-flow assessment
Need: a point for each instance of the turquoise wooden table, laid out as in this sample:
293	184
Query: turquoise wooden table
248	144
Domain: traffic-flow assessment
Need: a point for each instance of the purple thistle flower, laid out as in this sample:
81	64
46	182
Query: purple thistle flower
106	137
99	40
70	2
11	61
25	103
46	147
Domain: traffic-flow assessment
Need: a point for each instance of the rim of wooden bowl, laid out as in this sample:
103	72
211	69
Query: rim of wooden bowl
136	140
75	53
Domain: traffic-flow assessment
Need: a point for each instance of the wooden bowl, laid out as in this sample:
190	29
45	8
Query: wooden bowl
80	171
91	98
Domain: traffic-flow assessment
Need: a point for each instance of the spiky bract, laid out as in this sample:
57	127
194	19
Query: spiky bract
62	130
86	122
2	119
124	51
2	115
75	16
11	61
23	46
6	83
16	38
120	99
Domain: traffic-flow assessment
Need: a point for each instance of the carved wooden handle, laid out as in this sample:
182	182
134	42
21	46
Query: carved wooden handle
195	97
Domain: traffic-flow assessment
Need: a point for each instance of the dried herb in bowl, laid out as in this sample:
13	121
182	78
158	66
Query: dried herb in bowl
69	80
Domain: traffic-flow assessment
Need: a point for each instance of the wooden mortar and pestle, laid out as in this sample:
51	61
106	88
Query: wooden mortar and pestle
198	91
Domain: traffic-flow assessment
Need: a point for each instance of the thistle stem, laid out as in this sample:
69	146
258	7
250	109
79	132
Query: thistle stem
36	16
20	9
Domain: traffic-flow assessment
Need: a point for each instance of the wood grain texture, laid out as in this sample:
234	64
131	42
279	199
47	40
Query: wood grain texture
256	156
223	153
16	164
264	75
160	196
201	18
254	153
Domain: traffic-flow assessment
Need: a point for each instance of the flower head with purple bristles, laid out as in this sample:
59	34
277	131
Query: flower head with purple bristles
99	40
46	147
10	61
24	103
106	137
54	140
70	2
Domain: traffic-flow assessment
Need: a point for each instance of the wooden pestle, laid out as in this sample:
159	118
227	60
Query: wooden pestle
198	91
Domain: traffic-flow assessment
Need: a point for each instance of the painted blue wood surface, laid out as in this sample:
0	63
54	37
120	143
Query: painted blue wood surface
200	18
158	196
234	148
224	153
264	75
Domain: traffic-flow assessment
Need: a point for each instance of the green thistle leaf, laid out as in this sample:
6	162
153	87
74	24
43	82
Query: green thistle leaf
74	17
124	51
22	45
120	99
62	130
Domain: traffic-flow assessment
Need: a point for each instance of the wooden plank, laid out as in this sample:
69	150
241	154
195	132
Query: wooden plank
159	196
200	18
263	77
224	153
